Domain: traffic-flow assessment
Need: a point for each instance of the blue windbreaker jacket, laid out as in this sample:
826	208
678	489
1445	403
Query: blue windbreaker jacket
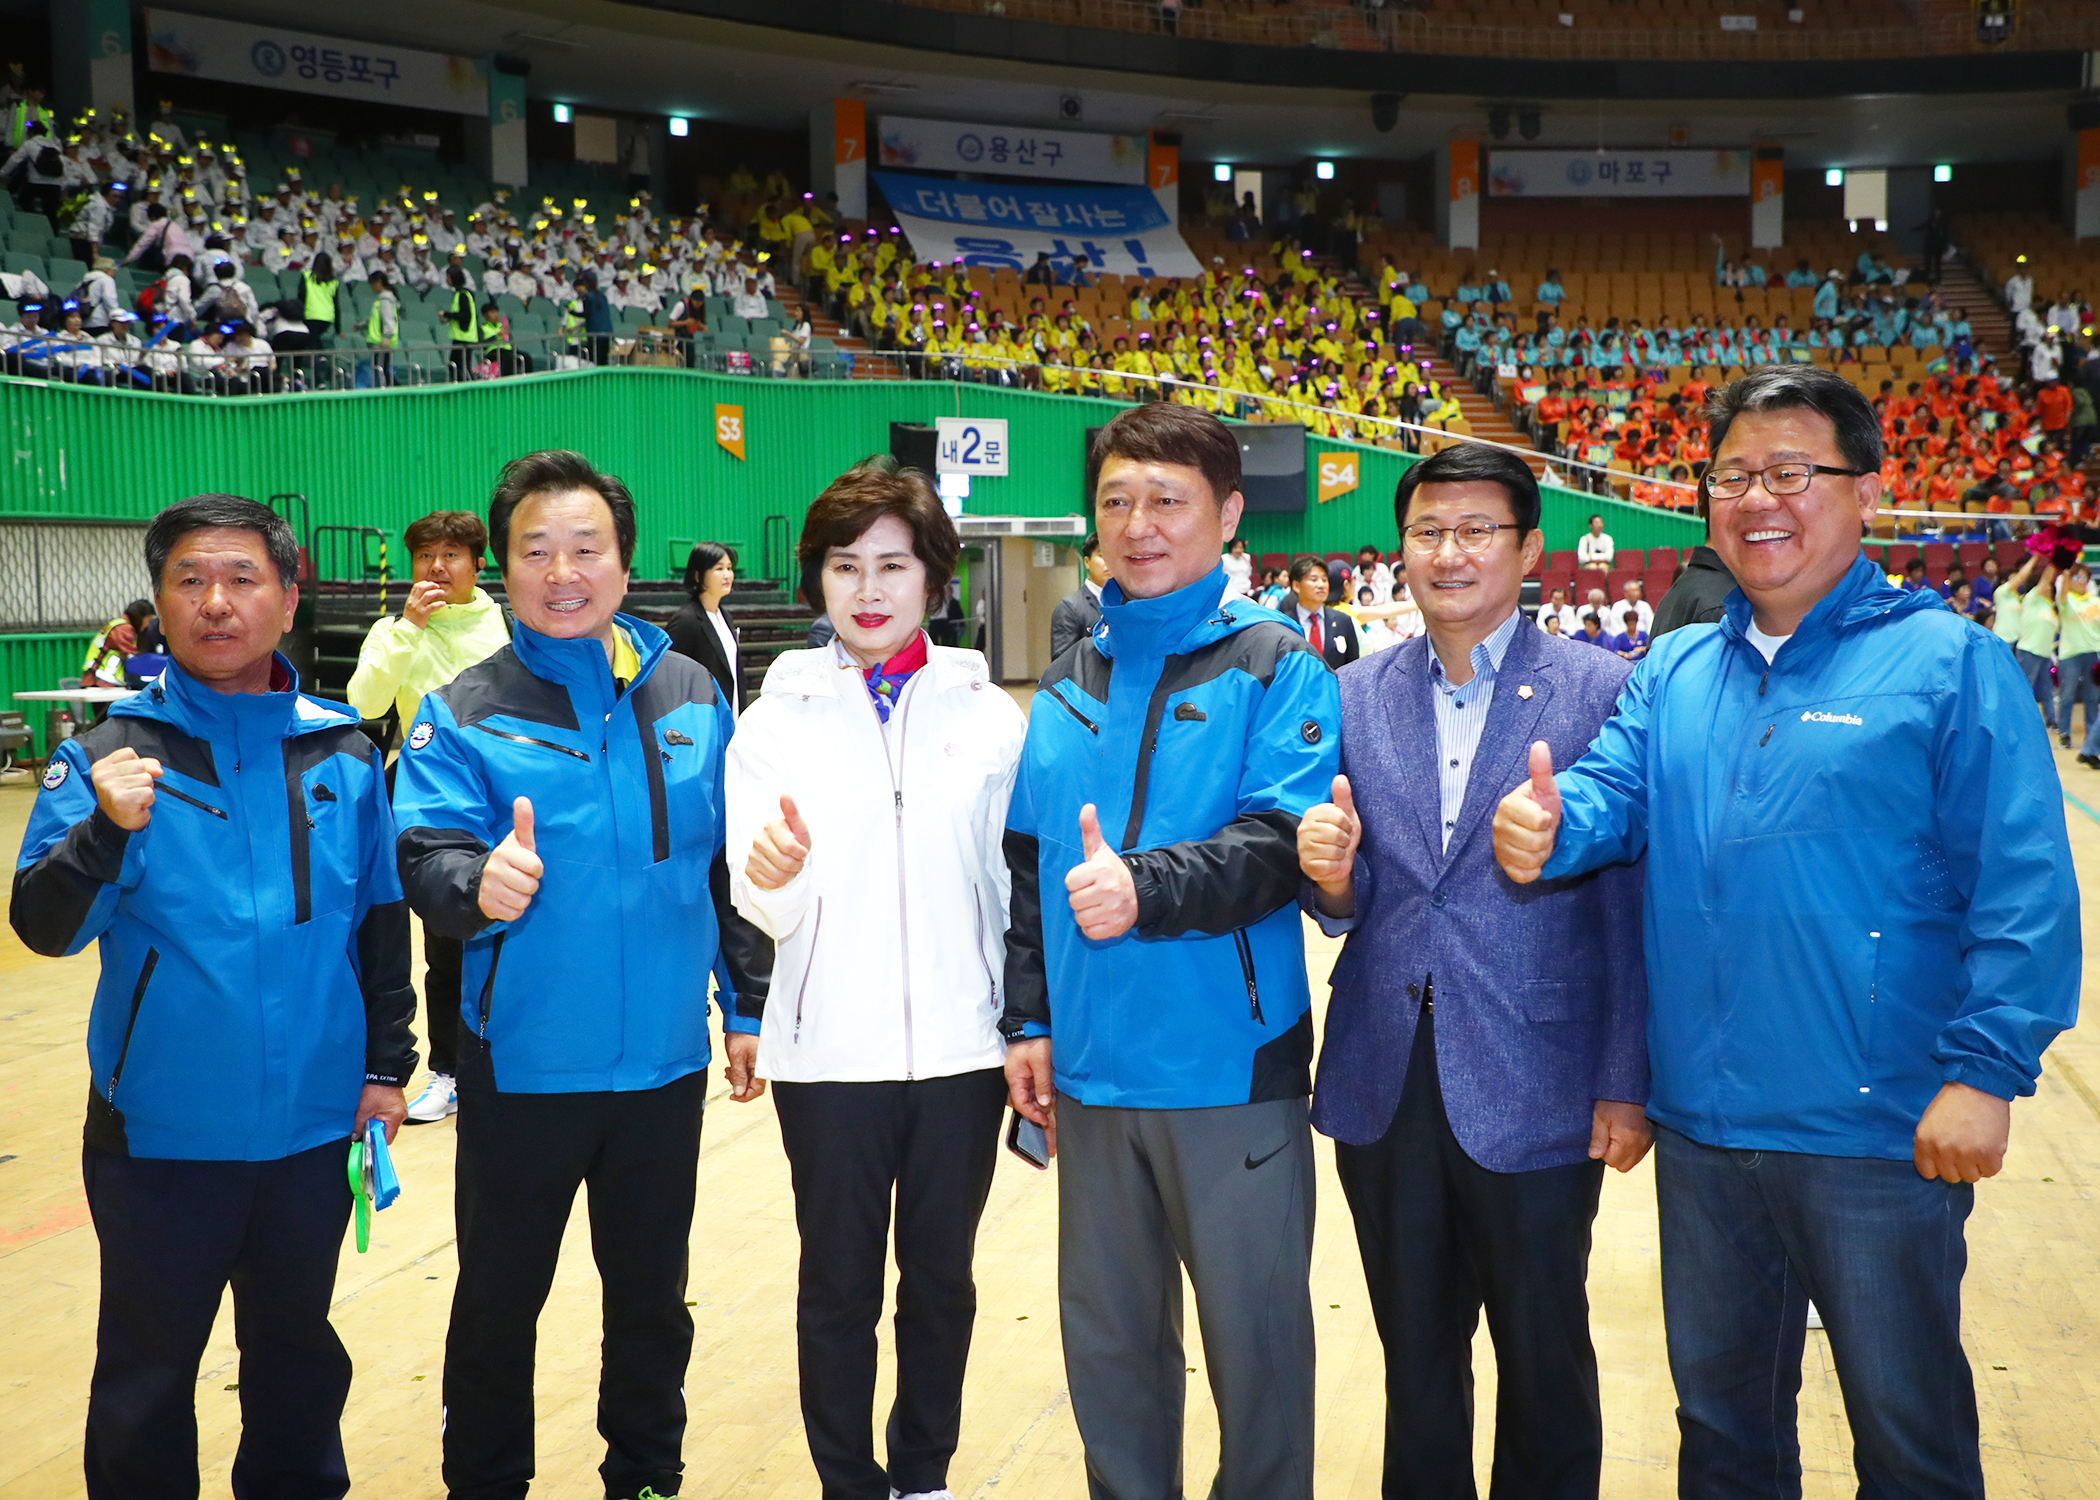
602	984
1859	881
1201	732
254	942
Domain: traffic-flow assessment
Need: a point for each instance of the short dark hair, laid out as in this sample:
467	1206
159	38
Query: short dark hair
1305	563
1162	432
1092	544
460	526
875	487
235	512
138	612
702	561
556	470
1466	463
1800	388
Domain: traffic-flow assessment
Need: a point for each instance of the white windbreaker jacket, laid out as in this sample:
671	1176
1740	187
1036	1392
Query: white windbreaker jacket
891	943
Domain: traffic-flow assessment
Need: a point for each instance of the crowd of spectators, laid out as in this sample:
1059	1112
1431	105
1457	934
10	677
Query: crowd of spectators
174	271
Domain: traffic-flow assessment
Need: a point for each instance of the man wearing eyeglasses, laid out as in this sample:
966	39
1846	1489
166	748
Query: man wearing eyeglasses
1486	1054
1862	929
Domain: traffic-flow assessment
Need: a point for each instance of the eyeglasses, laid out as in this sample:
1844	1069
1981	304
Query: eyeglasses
1779	479
1474	537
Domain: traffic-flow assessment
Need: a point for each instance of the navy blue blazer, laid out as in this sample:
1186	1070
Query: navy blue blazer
1541	989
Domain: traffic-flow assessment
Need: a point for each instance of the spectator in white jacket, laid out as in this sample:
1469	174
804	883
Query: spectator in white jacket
867	791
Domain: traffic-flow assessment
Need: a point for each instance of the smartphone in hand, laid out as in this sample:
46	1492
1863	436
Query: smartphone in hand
1029	1141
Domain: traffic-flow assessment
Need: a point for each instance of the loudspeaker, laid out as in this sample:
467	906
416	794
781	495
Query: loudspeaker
1385	111
912	445
2083	114
1498	122
1528	124
1272	466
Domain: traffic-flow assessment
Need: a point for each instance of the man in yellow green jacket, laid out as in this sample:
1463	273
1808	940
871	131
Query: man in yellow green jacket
447	625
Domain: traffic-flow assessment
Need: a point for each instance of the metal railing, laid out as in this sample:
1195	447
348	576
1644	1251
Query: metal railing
259	370
1404	28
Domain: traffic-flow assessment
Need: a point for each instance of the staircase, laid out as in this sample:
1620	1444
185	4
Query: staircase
1961	287
867	364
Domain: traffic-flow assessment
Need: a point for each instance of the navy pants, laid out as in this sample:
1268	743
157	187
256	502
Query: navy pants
174	1236
1749	1239
522	1158
931	1145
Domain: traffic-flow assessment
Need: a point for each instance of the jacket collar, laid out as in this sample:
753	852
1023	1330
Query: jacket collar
464	617
183	701
1171	624
581	666
823	673
1863	593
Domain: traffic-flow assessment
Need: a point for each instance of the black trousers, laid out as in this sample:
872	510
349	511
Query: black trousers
1442	1237
174	1235
521	1159
442	959
934	1142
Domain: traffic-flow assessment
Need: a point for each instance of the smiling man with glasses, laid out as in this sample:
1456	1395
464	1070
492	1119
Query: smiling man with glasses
1486	1055
1861	927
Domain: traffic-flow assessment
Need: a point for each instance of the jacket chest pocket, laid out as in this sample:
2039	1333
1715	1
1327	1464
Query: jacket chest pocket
325	846
682	771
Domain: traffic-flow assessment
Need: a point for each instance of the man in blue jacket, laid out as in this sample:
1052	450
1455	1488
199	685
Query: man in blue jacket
1172	974
560	808
226	840
1861	930
1485	1054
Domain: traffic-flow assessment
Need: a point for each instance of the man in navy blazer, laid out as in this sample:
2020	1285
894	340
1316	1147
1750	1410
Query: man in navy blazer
1485	1053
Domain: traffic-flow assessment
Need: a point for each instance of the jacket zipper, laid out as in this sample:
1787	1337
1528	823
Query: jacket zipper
138	997
1066	704
488	985
1239	941
526	739
816	930
977	894
903	905
186	797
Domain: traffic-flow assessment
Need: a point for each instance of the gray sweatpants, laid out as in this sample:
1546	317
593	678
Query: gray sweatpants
1229	1193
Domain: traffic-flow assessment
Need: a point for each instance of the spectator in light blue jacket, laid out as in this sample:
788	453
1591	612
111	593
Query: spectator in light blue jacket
1862	931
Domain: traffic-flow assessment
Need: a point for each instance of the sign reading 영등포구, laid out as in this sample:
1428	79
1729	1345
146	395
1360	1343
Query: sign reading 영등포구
970	445
1618	174
1009	150
1120	230
273	57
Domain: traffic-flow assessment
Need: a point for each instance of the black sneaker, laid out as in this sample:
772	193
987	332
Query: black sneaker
2089	760
2064	740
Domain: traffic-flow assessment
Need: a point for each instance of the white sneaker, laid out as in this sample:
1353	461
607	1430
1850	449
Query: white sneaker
922	1495
440	1097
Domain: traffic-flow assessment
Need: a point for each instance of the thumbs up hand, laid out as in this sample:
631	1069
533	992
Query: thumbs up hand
510	877
780	850
1528	820
1104	897
1328	836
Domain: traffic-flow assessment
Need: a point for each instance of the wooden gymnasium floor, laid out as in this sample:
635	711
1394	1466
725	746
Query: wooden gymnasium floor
2033	1303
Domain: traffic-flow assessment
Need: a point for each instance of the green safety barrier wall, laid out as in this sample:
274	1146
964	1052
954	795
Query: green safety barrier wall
28	662
383	458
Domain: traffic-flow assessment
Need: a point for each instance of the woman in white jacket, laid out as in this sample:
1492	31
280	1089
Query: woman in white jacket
866	793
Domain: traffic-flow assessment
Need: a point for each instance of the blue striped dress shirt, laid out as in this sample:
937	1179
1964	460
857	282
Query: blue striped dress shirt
1462	712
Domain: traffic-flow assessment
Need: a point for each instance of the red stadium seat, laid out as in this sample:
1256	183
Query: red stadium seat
1939	557
1898	557
1656	582
1270	561
1616	589
1629	560
1973	554
2010	554
1561	562
1662	557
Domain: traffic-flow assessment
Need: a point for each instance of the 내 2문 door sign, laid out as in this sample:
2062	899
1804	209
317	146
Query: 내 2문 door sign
1338	475
970	445
729	428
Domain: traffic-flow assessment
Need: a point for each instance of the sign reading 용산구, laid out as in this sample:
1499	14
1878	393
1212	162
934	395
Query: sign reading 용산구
1009	150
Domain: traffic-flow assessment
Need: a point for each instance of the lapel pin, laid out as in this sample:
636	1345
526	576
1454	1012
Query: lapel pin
1524	691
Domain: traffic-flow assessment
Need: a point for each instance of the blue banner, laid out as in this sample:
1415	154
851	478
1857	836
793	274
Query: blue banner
1120	230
